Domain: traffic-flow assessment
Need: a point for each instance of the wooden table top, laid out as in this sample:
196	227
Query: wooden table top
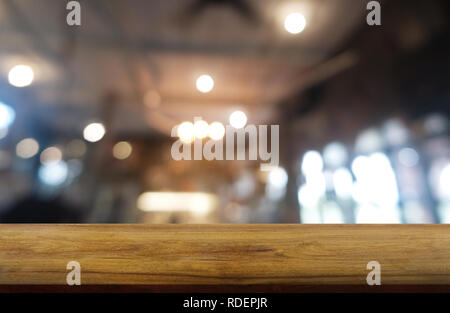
222	257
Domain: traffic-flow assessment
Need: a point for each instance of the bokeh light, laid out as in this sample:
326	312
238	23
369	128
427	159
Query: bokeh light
53	173
185	132
312	163
295	23
335	154
238	119
408	157
444	183
368	141
376	182
21	76
194	202
7	115
216	131
343	183
276	183
201	129
51	154
27	148
205	83
436	124
122	150
395	132
278	177
94	132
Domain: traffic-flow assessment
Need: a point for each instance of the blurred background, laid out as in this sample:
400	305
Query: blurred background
86	111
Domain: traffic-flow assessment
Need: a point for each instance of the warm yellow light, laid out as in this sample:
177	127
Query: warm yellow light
186	132
216	130
194	202
205	83
21	76
94	132
295	23
51	154
201	129
122	150
238	119
27	148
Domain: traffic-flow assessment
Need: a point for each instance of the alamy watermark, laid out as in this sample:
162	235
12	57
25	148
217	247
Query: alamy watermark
74	16
73	278
258	145
374	276
373	18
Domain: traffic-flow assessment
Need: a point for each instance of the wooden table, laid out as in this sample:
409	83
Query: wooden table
225	258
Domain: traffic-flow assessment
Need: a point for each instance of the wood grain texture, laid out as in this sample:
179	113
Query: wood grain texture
225	255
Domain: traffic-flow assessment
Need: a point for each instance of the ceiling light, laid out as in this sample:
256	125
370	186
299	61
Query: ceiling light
94	132
201	129
205	83
21	76
216	130
186	132
238	119
194	202
295	23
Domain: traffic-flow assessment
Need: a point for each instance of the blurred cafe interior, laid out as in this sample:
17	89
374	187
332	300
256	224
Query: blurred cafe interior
87	112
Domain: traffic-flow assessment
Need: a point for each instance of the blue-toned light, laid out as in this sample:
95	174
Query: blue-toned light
7	115
53	173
